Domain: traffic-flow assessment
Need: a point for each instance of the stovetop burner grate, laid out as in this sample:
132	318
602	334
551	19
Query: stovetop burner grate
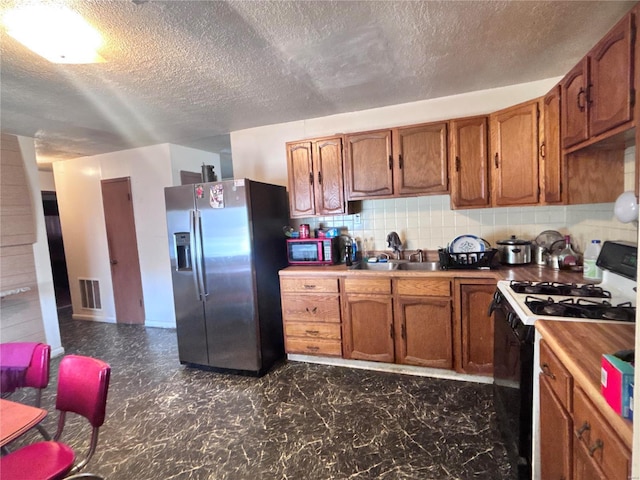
564	289
581	308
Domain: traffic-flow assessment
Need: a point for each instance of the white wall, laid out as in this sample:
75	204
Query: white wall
82	219
44	274
191	160
47	183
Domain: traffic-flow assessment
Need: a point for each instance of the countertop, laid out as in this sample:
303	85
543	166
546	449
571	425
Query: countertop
531	272
579	346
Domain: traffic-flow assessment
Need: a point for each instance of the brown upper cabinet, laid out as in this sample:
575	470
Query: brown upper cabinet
469	166
597	94
404	161
514	151
316	185
550	151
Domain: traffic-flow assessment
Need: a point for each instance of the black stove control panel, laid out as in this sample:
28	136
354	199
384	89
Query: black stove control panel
620	258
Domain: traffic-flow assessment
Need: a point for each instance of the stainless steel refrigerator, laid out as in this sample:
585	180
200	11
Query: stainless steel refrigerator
226	247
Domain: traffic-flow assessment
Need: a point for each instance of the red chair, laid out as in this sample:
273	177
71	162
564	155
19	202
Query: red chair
37	373
83	383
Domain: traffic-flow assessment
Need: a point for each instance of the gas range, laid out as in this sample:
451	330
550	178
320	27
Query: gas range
614	299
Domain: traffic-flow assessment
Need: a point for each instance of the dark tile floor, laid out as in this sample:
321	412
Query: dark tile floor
300	421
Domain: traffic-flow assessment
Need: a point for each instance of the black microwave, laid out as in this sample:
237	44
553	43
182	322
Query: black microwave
312	251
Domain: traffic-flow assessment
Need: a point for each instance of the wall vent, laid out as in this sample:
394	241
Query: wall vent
90	293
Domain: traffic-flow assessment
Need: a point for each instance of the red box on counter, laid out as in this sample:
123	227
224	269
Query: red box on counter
617	384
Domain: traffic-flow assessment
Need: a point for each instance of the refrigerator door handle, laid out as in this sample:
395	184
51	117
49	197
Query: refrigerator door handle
202	287
194	253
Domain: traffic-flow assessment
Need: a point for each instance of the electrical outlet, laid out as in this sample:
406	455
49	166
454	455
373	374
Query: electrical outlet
356	219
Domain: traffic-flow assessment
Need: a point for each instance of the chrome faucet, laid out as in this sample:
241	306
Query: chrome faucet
419	253
393	241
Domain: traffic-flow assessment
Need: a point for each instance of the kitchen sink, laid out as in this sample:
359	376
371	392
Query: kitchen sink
420	266
398	265
380	266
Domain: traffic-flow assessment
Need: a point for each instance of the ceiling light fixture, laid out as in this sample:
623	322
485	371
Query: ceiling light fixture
54	32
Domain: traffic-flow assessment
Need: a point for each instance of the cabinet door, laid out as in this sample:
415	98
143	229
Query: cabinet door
420	159
476	328
423	332
329	185
469	167
550	151
611	82
514	146
555	435
368	165
573	99
300	168
368	328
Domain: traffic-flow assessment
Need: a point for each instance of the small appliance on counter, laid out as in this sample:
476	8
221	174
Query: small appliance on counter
514	251
313	251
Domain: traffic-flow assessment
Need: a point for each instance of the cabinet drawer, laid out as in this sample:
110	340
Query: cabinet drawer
311	308
314	346
327	331
309	285
367	285
592	433
559	379
431	287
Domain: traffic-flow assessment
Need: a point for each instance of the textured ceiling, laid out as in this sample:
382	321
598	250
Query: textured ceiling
189	72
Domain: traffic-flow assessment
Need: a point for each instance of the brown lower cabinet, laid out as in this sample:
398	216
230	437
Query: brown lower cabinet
576	442
412	326
430	321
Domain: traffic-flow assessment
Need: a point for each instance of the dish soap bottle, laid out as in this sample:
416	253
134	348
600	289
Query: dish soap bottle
567	256
590	270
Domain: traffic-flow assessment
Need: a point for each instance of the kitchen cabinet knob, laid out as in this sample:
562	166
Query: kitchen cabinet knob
581	94
113	262
585	426
598	444
547	371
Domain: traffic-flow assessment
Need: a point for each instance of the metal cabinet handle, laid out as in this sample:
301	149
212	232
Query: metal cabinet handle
598	444
313	310
403	331
312	332
589	99
319	178
585	426
390	162
543	150
311	178
546	370
313	348
581	105
400	161
496	160
391	330
457	163
309	286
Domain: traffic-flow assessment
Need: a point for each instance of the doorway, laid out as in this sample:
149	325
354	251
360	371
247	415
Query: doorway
123	250
56	249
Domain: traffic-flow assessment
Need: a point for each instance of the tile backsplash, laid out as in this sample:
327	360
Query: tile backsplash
428	222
